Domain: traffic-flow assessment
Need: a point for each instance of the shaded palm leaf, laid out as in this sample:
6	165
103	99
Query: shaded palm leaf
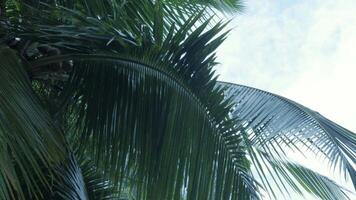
152	138
194	70
29	141
70	184
81	180
97	186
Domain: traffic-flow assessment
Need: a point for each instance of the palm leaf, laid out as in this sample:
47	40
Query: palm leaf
78	178
149	138
29	141
97	186
315	183
272	121
280	171
114	23
195	175
70	184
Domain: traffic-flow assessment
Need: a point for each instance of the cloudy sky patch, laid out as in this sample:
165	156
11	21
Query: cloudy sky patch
304	50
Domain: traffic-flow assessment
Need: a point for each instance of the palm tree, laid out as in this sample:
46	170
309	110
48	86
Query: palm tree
105	99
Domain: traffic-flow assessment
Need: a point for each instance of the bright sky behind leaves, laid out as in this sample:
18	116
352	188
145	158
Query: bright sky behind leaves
301	49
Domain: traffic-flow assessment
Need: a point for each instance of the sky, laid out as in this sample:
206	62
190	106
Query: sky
304	50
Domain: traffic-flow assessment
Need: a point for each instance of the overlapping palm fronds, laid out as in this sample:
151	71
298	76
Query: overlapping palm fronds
151	140
126	90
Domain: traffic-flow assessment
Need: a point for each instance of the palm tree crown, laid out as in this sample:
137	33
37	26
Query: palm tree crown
118	99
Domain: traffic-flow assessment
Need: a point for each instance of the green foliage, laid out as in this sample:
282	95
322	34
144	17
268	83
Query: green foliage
29	139
119	100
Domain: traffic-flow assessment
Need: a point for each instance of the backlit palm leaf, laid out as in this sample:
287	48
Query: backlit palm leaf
273	123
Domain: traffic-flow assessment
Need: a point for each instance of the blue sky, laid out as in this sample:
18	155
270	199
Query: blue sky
302	49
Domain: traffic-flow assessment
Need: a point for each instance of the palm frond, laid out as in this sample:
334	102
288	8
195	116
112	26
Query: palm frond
151	139
70	184
276	172
29	140
97	186
79	178
315	183
225	6
129	149
273	122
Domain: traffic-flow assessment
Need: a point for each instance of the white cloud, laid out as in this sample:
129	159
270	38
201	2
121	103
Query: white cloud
328	82
265	44
305	51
